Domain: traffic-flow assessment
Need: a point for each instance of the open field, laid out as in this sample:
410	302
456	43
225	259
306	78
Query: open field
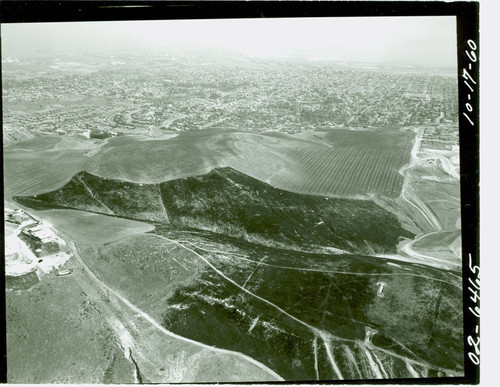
44	327
152	161
437	240
9	229
162	266
160	355
341	163
444	245
116	341
442	199
89	227
435	180
37	166
347	163
430	197
355	163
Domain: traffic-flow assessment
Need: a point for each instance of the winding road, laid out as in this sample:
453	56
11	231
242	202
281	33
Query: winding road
412	199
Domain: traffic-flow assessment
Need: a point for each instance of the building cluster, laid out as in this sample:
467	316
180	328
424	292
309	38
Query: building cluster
39	238
170	94
442	136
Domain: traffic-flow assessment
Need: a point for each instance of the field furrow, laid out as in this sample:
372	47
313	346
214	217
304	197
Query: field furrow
354	163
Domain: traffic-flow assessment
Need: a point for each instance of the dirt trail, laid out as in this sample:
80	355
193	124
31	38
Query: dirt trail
407	248
135	312
326	337
306	269
411	198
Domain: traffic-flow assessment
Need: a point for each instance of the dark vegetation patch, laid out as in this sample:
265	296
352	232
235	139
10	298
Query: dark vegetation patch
409	318
21	282
219	314
413	310
418	313
228	202
191	299
91	193
127	199
232	203
99	134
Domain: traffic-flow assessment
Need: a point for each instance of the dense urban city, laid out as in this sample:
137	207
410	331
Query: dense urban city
106	96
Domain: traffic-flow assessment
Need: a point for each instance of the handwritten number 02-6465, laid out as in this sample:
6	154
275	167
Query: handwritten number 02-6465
474	289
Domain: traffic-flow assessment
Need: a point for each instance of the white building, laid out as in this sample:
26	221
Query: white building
45	235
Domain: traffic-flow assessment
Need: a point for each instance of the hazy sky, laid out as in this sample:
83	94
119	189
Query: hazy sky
411	40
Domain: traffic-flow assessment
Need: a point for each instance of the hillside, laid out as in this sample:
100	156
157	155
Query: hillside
228	202
342	163
301	314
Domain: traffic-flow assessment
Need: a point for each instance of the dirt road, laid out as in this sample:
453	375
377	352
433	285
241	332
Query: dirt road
118	303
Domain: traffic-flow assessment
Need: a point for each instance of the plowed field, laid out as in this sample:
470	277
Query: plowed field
344	163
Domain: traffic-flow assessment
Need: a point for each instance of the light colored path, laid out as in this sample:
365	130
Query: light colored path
154	323
306	269
412	199
408	249
325	336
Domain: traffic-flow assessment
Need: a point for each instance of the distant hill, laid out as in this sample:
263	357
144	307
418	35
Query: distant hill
229	202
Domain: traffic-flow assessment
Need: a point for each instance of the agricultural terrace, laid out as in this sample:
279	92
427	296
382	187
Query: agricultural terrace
143	160
342	163
355	163
41	165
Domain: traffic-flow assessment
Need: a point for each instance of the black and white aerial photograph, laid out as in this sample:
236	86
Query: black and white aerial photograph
232	200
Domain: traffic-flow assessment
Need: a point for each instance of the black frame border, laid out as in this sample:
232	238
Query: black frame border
467	14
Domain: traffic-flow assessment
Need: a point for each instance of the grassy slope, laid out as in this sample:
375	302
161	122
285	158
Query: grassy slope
46	323
343	164
55	336
229	202
36	166
144	272
179	289
86	227
298	164
192	300
148	275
